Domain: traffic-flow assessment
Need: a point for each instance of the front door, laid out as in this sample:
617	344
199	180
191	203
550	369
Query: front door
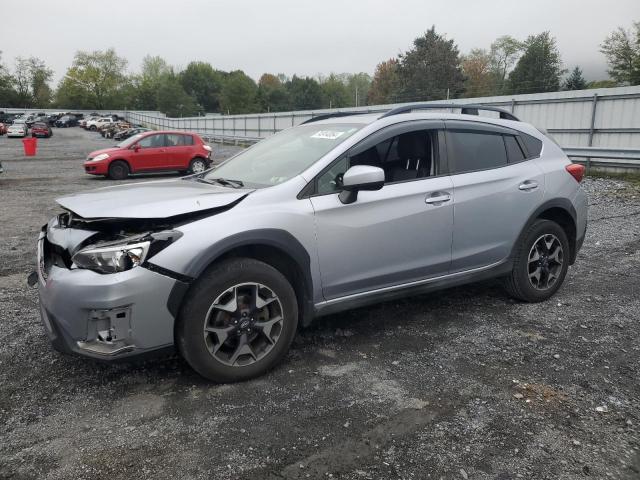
393	236
151	153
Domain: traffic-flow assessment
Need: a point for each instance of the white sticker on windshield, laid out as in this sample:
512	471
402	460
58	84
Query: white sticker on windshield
327	134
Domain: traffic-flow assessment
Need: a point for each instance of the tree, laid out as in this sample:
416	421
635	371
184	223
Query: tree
384	85
239	94
173	100
480	80
31	79
540	67
430	69
575	81
622	49
203	83
305	93
335	91
146	84
7	92
358	85
272	95
96	78
503	54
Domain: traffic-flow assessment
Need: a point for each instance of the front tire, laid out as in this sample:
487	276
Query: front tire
118	170
237	321
540	264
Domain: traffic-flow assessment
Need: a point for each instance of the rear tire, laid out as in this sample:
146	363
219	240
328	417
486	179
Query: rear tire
197	165
118	170
540	264
237	321
93	128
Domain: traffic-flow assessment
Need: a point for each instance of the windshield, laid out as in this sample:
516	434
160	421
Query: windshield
282	156
129	141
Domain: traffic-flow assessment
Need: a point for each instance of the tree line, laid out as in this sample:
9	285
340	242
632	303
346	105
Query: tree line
433	68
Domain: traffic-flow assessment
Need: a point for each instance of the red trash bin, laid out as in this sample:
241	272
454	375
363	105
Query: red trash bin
30	146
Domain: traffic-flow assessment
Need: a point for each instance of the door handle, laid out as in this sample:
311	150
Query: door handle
528	185
438	197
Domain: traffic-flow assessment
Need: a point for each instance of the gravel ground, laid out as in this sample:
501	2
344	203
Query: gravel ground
460	384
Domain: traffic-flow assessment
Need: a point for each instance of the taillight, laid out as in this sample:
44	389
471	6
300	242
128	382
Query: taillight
576	171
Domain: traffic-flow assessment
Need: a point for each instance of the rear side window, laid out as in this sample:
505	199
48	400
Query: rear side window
178	140
469	151
533	145
514	152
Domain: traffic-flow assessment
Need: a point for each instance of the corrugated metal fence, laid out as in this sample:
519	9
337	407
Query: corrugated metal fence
606	117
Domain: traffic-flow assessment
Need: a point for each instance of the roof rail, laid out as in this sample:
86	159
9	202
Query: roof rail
324	116
466	109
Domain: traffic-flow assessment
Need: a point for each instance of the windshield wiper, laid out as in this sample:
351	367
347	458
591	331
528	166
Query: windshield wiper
221	181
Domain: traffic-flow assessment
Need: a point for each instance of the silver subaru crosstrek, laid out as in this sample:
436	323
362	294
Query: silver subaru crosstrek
339	212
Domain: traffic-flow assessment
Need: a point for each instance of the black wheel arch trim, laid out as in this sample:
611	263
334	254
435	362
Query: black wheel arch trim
563	204
276	238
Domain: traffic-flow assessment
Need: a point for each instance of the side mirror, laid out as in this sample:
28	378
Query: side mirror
360	177
136	147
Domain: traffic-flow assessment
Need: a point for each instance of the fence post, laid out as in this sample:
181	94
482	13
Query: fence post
513	105
245	125
593	118
258	126
274	123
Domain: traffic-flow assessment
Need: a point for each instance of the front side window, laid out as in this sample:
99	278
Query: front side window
473	150
151	141
408	156
284	155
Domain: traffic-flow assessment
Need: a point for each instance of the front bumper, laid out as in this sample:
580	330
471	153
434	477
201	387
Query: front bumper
106	317
96	168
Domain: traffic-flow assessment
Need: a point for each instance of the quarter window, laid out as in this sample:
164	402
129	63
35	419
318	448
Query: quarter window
471	151
514	152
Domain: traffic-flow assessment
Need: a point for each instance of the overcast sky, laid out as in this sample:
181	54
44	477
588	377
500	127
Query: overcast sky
298	36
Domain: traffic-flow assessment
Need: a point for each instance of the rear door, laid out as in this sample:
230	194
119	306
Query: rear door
496	189
178	150
151	154
393	236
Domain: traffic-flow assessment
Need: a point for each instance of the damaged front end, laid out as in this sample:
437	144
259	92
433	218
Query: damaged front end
100	294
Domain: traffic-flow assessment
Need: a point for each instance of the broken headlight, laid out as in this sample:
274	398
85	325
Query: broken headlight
113	257
116	258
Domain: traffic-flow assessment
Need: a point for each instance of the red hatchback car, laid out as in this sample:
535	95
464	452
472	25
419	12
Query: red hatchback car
151	152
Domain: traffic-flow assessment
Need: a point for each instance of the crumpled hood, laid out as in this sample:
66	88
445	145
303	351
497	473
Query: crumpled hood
157	199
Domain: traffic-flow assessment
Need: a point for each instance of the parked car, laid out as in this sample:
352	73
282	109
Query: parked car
130	132
333	214
17	129
41	129
36	119
67	121
84	121
151	152
95	124
1	169
53	118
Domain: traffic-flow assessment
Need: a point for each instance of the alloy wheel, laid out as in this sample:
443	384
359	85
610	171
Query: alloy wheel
243	324
545	262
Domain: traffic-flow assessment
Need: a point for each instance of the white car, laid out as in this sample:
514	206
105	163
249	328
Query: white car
93	125
17	129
